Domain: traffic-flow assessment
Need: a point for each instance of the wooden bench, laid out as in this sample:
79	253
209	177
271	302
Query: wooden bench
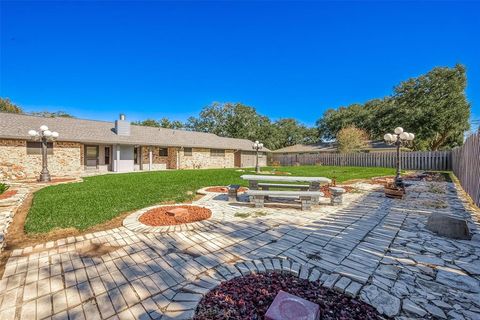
306	197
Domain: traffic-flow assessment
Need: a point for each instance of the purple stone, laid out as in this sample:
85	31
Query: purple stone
286	306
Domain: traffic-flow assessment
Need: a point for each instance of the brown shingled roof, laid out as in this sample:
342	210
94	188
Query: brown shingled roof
16	126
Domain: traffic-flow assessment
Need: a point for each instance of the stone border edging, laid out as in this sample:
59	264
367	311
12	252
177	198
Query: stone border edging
189	295
133	223
204	192
8	208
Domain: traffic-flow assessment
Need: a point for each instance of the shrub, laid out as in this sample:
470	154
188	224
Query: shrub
3	188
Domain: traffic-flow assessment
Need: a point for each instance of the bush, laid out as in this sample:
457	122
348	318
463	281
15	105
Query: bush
3	188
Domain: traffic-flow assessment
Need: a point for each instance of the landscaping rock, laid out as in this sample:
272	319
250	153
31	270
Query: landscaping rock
435	311
429	260
458	280
177	212
384	302
472	267
413	308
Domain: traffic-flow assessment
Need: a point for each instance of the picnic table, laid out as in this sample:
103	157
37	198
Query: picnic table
313	182
265	182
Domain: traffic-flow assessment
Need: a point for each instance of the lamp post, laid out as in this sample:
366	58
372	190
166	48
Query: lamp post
398	139
44	136
257	146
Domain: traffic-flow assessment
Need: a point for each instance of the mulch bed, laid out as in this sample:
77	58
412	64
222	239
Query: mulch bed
326	191
248	298
429	176
7	194
159	216
224	189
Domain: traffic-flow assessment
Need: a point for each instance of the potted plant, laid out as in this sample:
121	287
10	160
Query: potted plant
394	191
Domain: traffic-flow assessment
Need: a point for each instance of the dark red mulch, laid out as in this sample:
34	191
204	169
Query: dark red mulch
248	298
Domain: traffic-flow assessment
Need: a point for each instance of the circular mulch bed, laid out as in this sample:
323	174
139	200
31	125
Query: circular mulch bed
224	189
248	298
162	217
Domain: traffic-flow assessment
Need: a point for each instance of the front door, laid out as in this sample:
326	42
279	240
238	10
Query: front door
91	156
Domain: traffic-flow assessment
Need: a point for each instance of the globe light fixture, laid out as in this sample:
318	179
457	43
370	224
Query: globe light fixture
44	136
257	146
399	139
398	130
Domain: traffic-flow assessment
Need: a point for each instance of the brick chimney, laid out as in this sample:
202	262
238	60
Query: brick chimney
122	126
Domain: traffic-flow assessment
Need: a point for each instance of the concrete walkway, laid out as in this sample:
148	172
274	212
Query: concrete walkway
371	247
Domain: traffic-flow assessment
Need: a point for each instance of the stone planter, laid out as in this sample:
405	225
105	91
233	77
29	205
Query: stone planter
337	196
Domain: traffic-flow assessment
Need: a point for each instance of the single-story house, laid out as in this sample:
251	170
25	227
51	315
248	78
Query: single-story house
372	146
100	146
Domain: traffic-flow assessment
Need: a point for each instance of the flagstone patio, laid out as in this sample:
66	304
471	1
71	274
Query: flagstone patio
370	247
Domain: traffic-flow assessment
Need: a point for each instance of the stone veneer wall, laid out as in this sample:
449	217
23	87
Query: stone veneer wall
66	160
201	159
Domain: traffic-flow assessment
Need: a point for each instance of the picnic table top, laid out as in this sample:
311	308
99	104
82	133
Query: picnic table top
284	178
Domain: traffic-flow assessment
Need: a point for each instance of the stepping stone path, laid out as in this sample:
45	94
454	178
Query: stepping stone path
370	247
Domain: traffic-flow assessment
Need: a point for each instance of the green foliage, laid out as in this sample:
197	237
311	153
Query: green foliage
290	132
351	139
101	198
162	123
237	120
7	106
433	106
56	114
3	188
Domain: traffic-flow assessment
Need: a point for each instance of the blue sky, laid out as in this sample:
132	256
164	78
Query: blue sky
288	59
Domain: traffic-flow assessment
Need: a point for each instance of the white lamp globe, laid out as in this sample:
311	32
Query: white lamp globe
47	133
398	130
32	133
44	128
55	134
260	145
404	135
387	137
257	142
411	136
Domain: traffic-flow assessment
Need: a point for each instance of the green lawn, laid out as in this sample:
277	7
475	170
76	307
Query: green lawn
101	198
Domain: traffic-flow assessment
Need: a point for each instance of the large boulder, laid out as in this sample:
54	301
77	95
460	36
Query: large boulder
448	226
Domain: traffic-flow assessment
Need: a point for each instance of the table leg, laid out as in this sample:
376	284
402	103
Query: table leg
315	186
252	185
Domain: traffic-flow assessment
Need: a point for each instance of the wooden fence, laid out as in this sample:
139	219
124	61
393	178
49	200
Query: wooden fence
466	166
425	160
